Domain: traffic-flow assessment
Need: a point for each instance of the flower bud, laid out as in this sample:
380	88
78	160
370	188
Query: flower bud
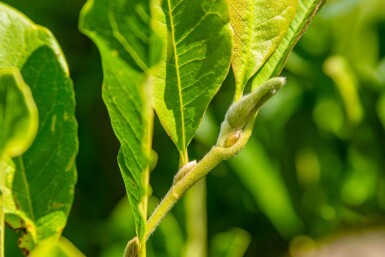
242	112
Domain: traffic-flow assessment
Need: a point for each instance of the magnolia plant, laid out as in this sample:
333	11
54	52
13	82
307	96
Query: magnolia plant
165	58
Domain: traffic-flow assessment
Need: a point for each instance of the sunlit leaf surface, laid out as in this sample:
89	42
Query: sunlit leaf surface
40	191
193	65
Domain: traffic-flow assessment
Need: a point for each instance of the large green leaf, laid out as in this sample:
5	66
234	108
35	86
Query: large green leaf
40	191
122	31
193	66
18	114
273	66
259	26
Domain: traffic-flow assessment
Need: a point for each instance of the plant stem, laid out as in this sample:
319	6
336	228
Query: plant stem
2	199
2	223
150	131
208	162
235	131
196	220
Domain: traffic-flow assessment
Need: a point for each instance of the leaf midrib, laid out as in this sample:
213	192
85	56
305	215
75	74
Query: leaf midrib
177	74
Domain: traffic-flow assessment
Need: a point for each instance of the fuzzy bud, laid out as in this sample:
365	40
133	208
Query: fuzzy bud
242	112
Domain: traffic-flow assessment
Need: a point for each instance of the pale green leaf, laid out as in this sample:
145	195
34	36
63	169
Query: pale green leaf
273	66
56	248
18	114
259	26
193	65
40	191
122	32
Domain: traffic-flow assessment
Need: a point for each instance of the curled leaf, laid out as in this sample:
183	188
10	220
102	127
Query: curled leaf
19	117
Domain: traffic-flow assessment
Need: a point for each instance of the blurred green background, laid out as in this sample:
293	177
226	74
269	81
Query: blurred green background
314	169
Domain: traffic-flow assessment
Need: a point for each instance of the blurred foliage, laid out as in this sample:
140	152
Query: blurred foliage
314	168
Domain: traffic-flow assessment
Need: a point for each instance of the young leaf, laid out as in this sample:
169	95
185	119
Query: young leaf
273	66
40	191
122	31
259	26
18	114
193	66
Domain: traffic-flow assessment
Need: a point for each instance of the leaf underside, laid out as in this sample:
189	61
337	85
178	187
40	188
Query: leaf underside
122	32
274	65
40	190
259	26
193	65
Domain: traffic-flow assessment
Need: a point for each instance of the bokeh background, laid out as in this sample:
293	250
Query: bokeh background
311	179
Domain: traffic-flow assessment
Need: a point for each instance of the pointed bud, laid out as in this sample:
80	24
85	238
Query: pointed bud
243	111
132	248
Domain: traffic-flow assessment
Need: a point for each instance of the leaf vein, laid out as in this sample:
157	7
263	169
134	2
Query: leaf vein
174	44
126	45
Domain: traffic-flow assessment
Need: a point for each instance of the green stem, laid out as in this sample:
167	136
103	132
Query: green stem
196	220
208	162
2	214
235	132
2	224
183	159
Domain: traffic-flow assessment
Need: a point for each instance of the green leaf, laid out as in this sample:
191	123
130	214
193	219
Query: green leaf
273	66
122	31
193	66
18	114
40	191
259	26
56	248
